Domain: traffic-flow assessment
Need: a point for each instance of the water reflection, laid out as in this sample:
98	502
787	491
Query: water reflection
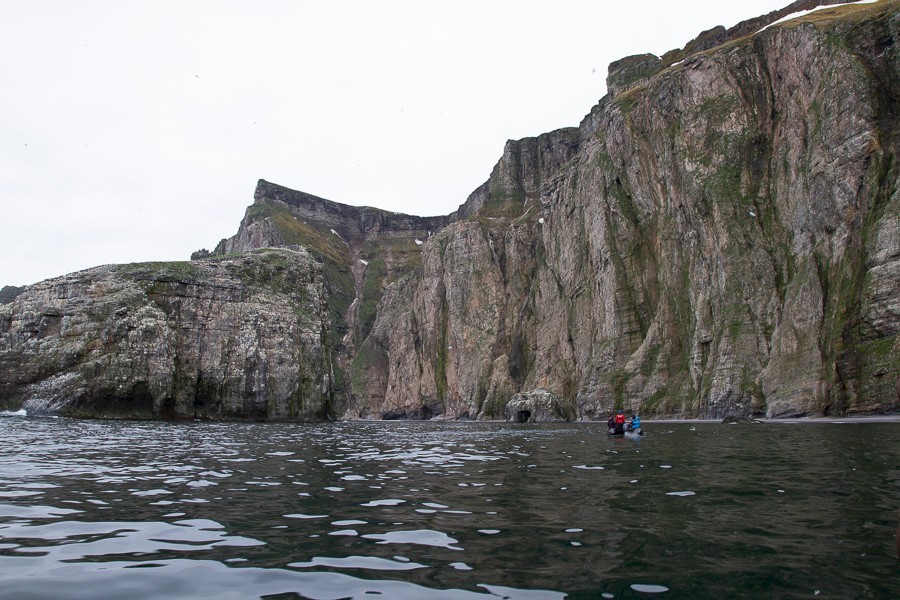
411	510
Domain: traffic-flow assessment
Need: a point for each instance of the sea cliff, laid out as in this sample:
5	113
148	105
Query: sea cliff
720	236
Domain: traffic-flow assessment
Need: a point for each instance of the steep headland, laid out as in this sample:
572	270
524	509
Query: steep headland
719	236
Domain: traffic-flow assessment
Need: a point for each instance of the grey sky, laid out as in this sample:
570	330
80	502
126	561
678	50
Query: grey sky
136	130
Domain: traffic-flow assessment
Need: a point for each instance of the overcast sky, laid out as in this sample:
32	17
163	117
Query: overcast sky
137	130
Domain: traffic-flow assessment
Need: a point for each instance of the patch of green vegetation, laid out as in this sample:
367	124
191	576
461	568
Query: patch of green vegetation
628	70
835	40
339	380
677	397
828	16
502	205
297	400
440	367
671	57
258	211
327	248
632	244
652	404
843	281
370	296
174	270
723	189
650	359
750	387
880	365
627	100
680	325
716	109
400	256
492	407
617	380
733	321
626	203
604	161
277	271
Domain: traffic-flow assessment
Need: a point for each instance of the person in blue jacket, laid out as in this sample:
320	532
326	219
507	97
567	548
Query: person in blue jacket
635	423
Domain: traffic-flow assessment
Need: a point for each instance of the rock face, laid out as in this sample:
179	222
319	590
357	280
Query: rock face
720	237
362	250
234	338
717	238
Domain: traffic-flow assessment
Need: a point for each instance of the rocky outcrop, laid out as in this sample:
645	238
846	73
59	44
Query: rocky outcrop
234	338
538	406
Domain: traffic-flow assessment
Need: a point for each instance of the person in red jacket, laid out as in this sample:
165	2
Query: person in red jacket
620	422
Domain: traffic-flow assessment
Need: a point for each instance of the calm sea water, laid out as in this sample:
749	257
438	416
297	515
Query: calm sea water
92	509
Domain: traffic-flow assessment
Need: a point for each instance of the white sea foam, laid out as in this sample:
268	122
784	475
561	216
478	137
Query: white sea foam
385	502
649	589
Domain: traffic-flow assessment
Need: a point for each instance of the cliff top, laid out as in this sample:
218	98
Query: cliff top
627	72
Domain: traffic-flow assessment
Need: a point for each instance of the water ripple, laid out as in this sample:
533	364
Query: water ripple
419	537
456	510
359	562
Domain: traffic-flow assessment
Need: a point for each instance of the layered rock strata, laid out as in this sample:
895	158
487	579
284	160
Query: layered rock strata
236	338
718	238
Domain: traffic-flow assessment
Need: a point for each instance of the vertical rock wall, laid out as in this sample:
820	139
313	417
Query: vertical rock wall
718	239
